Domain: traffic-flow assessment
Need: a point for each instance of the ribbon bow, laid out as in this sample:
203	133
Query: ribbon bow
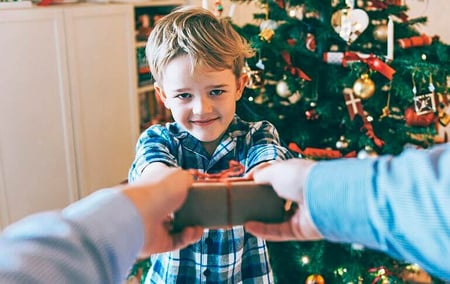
235	169
292	69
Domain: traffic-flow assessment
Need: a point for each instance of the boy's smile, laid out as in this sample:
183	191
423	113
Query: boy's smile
205	122
202	101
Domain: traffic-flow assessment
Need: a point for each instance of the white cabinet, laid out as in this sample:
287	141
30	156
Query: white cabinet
68	107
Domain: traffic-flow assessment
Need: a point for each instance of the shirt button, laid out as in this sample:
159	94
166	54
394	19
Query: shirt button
207	272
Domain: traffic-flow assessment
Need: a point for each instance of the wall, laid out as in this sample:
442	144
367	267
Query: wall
437	12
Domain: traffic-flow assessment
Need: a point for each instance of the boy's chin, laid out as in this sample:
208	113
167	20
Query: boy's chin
205	137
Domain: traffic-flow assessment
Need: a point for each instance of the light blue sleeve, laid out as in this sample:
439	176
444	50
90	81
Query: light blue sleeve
399	205
95	240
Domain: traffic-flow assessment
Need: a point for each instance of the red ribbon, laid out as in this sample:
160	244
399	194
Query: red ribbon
372	61
235	169
371	134
234	172
317	153
292	69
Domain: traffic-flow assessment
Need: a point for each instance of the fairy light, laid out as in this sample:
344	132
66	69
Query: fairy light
305	259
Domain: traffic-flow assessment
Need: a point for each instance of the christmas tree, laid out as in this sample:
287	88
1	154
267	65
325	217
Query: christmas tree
340	78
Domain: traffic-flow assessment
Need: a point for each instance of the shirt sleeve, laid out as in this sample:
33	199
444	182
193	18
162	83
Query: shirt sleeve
398	205
95	240
265	145
154	145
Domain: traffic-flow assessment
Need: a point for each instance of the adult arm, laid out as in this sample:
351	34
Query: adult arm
399	205
97	239
93	241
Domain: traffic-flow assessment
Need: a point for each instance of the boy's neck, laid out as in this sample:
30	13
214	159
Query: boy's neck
211	147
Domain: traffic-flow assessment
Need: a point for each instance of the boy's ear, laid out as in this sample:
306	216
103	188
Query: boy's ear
241	82
159	92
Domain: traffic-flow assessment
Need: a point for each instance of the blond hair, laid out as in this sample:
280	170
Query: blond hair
196	32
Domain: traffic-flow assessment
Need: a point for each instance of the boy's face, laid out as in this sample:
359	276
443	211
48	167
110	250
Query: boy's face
202	102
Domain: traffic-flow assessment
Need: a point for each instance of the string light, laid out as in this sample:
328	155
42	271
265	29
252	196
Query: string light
305	260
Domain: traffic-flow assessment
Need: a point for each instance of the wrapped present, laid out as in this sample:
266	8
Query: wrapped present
225	199
229	203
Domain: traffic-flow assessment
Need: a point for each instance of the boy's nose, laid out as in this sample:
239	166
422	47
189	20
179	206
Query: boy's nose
202	105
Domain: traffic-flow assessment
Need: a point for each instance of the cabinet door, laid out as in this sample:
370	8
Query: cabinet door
37	157
102	71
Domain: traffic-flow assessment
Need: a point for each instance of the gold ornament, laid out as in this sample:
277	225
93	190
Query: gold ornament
364	87
444	118
315	279
266	34
380	32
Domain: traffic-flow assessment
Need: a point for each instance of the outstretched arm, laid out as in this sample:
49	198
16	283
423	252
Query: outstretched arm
97	239
398	205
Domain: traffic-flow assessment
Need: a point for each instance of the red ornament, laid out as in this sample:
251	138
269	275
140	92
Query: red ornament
315	279
311	42
311	114
412	118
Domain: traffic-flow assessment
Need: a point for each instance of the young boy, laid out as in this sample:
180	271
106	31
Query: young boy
196	60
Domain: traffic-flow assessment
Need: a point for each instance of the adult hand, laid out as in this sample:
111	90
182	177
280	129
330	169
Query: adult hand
288	180
156	197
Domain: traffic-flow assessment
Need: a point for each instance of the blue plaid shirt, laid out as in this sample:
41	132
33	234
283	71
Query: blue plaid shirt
224	255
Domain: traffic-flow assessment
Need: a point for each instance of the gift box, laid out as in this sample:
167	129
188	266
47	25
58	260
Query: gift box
230	203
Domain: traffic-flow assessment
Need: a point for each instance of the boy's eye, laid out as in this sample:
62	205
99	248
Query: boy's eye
216	92
183	96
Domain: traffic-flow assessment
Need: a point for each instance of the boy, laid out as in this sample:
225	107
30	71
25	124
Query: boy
196	60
